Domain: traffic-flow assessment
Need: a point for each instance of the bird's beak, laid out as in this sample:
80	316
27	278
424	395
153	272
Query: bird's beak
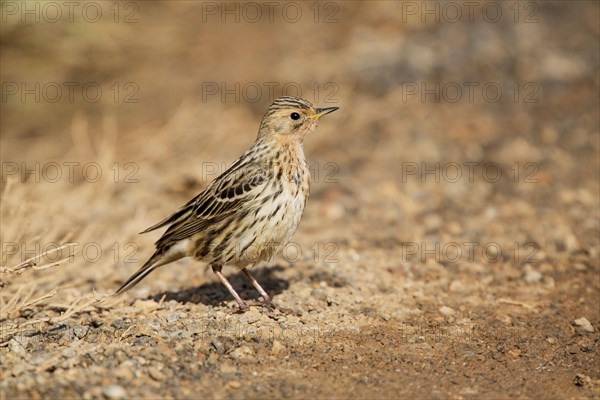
323	111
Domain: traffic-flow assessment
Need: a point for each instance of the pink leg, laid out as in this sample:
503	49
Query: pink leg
265	296
217	270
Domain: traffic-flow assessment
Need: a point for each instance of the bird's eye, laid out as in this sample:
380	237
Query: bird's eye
295	116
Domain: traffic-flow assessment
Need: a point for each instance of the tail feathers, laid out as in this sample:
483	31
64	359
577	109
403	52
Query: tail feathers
154	262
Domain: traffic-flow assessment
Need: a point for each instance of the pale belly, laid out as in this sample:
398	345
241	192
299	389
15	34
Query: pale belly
265	229
267	238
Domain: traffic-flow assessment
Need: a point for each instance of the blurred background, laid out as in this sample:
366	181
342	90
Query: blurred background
459	122
132	69
114	114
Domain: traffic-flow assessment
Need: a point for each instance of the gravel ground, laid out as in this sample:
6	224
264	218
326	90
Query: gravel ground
450	247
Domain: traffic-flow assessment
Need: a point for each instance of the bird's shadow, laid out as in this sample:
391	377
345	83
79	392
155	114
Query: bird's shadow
214	293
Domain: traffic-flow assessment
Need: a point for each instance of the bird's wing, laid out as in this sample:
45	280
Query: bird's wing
225	196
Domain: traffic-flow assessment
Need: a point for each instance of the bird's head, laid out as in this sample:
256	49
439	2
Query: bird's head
291	118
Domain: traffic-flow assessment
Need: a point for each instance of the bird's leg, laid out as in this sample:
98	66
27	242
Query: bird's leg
217	270
265	296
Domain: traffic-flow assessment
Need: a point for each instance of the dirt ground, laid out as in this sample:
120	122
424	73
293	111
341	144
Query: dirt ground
450	247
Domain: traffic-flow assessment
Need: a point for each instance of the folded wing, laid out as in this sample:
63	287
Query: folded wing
223	198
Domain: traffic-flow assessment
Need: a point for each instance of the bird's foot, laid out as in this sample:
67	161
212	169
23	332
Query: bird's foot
268	304
240	309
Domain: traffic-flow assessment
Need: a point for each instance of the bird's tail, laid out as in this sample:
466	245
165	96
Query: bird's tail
157	259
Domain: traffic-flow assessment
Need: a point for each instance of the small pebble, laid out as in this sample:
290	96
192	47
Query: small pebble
549	282
456	286
16	347
125	370
533	276
218	345
234	384
69	353
447	311
96	323
582	380
80	331
277	347
228	369
155	374
243	353
579	267
114	392
515	353
120	324
171	317
583	326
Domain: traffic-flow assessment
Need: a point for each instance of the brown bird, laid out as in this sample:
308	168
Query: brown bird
249	212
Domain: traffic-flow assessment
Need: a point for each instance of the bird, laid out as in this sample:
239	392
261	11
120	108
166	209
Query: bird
250	212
